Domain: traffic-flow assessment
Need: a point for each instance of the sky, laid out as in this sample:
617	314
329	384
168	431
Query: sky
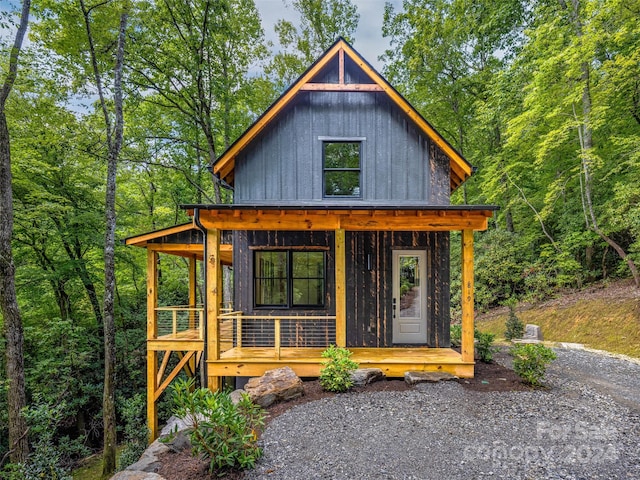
368	37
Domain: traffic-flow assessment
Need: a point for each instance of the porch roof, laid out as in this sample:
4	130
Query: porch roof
184	240
346	217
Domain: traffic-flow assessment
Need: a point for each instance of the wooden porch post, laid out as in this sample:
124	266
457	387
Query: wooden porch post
214	295
152	333
192	304
341	290
467	296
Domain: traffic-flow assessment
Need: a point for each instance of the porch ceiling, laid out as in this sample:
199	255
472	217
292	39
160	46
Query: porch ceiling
355	218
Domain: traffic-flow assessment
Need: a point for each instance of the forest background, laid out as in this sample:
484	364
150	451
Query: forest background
542	96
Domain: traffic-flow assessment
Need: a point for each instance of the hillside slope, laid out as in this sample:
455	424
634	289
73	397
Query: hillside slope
604	317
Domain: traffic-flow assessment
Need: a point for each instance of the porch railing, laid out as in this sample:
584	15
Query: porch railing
180	322
275	332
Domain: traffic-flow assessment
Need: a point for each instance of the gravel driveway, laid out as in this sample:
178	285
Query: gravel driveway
586	425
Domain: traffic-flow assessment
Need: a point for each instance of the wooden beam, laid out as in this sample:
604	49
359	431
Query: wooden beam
214	295
341	65
173	374
390	220
342	87
341	289
467	296
185	248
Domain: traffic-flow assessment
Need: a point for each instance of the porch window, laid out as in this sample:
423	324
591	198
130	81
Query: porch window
341	169
288	278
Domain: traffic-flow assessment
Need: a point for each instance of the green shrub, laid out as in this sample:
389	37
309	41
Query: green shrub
223	433
456	335
136	433
49	458
485	346
530	361
514	328
335	375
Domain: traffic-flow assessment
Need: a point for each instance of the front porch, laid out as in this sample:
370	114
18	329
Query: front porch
252	344
306	362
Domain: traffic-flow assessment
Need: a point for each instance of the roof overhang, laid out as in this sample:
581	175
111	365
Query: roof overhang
166	240
351	218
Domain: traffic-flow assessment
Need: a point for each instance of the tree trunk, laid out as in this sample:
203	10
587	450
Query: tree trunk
13	331
109	395
114	144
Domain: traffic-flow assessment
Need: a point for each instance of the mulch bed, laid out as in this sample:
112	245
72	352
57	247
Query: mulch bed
489	377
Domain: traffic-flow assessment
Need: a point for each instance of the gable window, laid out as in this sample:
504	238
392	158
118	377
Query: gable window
341	163
289	278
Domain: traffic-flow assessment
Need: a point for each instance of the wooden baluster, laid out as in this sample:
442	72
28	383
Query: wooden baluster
175	322
276	334
239	330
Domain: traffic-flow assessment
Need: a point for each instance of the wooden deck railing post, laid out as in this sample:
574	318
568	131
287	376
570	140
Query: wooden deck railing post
467	296
239	331
341	289
276	337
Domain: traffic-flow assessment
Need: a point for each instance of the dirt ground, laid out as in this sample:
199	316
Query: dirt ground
489	377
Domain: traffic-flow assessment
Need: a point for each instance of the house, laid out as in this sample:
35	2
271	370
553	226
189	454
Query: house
339	234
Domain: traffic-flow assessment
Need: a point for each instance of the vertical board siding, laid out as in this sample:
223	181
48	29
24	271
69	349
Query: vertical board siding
369	292
399	164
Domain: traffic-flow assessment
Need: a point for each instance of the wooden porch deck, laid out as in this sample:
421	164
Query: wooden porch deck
306	362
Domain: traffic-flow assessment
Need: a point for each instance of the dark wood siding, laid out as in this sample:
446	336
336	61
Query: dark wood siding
369	292
399	164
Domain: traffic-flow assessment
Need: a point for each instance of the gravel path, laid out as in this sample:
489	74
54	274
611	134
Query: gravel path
586	425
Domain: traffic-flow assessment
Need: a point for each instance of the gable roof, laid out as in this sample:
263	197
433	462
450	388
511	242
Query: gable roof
460	168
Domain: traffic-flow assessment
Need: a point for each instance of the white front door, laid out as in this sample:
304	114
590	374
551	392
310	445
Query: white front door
409	296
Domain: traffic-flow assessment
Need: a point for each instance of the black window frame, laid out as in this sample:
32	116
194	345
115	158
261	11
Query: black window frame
290	302
326	169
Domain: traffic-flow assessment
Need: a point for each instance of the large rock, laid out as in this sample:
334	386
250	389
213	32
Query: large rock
274	386
532	332
149	461
431	377
130	475
365	376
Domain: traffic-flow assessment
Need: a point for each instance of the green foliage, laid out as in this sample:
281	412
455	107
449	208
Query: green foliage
51	456
135	431
530	361
485	346
335	376
514	326
456	335
223	433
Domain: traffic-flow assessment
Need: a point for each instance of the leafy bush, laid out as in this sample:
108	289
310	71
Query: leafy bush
514	326
530	361
136	433
485	346
223	433
48	458
336	374
456	335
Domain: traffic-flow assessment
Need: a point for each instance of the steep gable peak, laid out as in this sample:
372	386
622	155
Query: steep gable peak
341	69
